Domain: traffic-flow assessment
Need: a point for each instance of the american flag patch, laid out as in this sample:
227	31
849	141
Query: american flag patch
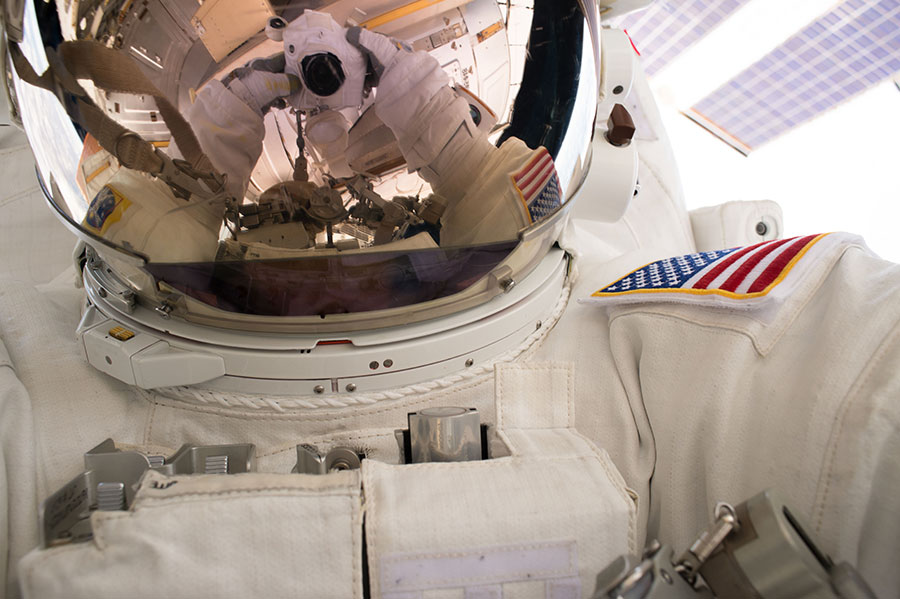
538	185
737	273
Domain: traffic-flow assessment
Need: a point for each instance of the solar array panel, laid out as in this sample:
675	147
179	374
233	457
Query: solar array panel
668	27
842	53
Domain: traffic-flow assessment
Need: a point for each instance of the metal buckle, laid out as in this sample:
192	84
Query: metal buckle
111	477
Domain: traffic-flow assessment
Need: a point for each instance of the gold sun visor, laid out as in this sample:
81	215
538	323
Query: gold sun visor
267	164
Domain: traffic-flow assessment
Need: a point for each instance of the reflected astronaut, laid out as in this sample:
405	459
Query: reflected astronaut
487	193
343	330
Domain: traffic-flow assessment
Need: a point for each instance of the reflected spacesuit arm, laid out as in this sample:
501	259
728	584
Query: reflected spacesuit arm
437	136
228	121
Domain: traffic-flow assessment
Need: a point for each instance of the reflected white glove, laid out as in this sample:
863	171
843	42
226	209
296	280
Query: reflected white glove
381	50
260	89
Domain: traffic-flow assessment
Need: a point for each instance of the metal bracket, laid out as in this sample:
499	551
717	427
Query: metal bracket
311	461
111	477
109	286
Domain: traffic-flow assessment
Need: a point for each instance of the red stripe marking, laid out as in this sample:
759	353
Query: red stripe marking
724	263
539	183
524	179
541	154
636	51
744	269
778	264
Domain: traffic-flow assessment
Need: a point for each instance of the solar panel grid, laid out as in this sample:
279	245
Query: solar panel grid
844	52
667	28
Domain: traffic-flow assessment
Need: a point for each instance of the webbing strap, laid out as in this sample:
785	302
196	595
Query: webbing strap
113	70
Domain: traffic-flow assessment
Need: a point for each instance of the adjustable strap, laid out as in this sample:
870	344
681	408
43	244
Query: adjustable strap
112	70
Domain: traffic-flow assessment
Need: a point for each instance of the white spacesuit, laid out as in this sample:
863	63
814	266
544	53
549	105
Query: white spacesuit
509	433
490	193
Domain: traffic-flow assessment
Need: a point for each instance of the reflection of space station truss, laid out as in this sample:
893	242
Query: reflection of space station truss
181	46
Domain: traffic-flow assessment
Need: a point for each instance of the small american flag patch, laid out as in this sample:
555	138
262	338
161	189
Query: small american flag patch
538	185
737	273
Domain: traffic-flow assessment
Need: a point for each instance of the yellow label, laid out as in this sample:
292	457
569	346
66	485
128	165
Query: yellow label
120	333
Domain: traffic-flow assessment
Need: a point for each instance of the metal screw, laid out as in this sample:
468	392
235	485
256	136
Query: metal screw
373	365
469	362
507	284
351	387
319	389
388	363
761	228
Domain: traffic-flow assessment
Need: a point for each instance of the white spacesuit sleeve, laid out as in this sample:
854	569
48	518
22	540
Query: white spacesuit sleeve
18	503
230	132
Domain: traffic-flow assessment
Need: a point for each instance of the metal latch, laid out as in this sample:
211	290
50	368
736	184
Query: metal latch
109	285
111	477
311	461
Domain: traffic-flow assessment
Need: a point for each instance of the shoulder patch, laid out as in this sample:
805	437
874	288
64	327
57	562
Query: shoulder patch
736	277
538	185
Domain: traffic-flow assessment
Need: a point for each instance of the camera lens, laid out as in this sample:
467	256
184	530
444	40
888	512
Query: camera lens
322	73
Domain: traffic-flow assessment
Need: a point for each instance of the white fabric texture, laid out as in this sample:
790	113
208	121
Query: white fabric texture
188	536
693	404
736	224
230	133
18	498
805	404
713	405
556	490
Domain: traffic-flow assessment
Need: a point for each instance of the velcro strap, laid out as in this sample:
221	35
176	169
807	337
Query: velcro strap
113	70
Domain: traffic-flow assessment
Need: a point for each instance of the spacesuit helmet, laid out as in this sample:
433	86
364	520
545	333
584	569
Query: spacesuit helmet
494	126
316	50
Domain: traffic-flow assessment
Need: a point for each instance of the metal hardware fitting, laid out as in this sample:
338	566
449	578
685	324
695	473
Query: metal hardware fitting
111	477
444	434
696	555
311	461
109	286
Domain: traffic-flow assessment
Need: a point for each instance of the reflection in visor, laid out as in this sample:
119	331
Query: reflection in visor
317	286
322	73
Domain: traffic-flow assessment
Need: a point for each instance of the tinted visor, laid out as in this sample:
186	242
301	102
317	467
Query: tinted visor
341	284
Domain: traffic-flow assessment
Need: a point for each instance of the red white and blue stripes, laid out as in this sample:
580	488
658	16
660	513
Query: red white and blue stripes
737	273
538	185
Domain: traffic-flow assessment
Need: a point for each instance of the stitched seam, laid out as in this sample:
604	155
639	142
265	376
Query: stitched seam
687	232
372	535
840	420
148	429
717	329
652	439
814	285
618	481
570	569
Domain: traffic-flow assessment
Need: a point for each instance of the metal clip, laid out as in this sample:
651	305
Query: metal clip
696	555
111	477
109	286
311	461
